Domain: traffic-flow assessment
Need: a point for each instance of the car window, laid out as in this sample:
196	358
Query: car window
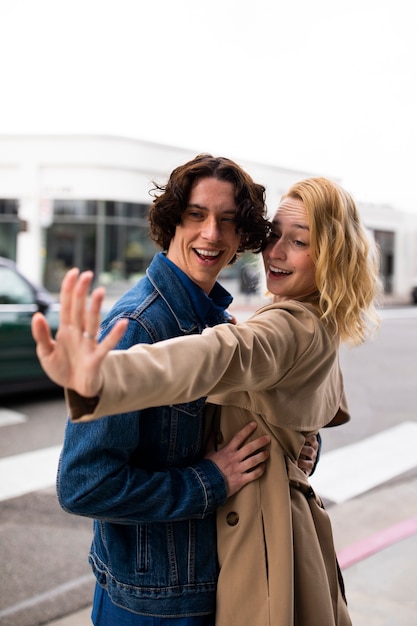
13	289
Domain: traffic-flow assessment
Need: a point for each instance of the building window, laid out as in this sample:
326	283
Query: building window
386	243
9	227
9	207
111	238
75	208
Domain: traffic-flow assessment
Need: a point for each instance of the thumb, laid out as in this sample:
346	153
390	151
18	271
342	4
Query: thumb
42	335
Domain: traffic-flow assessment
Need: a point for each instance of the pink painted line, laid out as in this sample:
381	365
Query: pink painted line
369	546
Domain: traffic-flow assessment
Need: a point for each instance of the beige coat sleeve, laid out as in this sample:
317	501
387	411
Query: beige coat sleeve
257	356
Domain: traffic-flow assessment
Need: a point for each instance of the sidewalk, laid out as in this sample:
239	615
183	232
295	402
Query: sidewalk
81	618
377	532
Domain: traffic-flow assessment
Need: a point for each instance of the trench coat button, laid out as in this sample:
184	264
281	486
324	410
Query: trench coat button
219	437
232	518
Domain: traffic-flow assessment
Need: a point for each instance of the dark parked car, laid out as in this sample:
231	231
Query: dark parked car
19	300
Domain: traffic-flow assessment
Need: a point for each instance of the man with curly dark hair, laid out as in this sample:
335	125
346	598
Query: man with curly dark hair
167	210
148	478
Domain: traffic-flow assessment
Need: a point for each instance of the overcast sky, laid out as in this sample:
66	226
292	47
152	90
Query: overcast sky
326	86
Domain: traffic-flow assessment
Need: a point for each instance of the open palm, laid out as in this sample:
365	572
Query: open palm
73	359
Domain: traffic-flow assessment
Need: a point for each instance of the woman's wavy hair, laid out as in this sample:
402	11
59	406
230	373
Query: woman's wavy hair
171	200
346	258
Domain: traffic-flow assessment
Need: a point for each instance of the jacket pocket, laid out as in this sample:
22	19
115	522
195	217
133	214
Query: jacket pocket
142	553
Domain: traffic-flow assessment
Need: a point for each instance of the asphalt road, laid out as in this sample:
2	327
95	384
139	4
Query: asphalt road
44	573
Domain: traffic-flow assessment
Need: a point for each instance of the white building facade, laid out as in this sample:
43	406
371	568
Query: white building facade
82	200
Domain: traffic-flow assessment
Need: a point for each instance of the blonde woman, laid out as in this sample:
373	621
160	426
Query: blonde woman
279	369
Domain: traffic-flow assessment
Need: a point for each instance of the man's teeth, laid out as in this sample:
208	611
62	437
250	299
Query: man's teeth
207	252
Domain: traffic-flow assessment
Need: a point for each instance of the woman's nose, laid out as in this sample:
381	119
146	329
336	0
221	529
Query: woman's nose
277	250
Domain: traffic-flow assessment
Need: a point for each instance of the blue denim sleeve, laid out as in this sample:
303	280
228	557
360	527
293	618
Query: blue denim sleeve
95	479
100	476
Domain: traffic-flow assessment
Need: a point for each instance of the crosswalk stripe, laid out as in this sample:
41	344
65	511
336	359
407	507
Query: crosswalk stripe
9	417
341	474
23	473
347	472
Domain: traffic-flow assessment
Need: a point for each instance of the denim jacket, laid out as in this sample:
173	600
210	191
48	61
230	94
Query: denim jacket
142	478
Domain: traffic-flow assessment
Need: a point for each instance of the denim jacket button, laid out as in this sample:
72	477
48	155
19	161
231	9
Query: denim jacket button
219	437
232	518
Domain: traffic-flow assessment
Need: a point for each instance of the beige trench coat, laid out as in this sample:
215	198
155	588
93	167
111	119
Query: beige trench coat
281	368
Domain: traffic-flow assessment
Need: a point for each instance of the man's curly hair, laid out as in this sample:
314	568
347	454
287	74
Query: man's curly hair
170	202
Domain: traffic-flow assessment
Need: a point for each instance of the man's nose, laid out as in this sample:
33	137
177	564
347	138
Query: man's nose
211	230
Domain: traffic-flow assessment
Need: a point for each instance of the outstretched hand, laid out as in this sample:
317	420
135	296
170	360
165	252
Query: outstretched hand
73	359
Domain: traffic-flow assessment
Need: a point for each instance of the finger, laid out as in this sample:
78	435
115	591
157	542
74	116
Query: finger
93	316
79	300
254	446
65	294
242	435
255	459
311	440
115	335
38	327
306	453
42	335
254	474
306	466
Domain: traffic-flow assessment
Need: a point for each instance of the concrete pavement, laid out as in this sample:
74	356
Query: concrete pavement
376	540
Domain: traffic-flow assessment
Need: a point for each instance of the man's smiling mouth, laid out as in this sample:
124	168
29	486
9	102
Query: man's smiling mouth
204	254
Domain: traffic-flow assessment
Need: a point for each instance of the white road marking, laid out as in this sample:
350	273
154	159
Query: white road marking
9	417
23	473
349	471
48	595
341	474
